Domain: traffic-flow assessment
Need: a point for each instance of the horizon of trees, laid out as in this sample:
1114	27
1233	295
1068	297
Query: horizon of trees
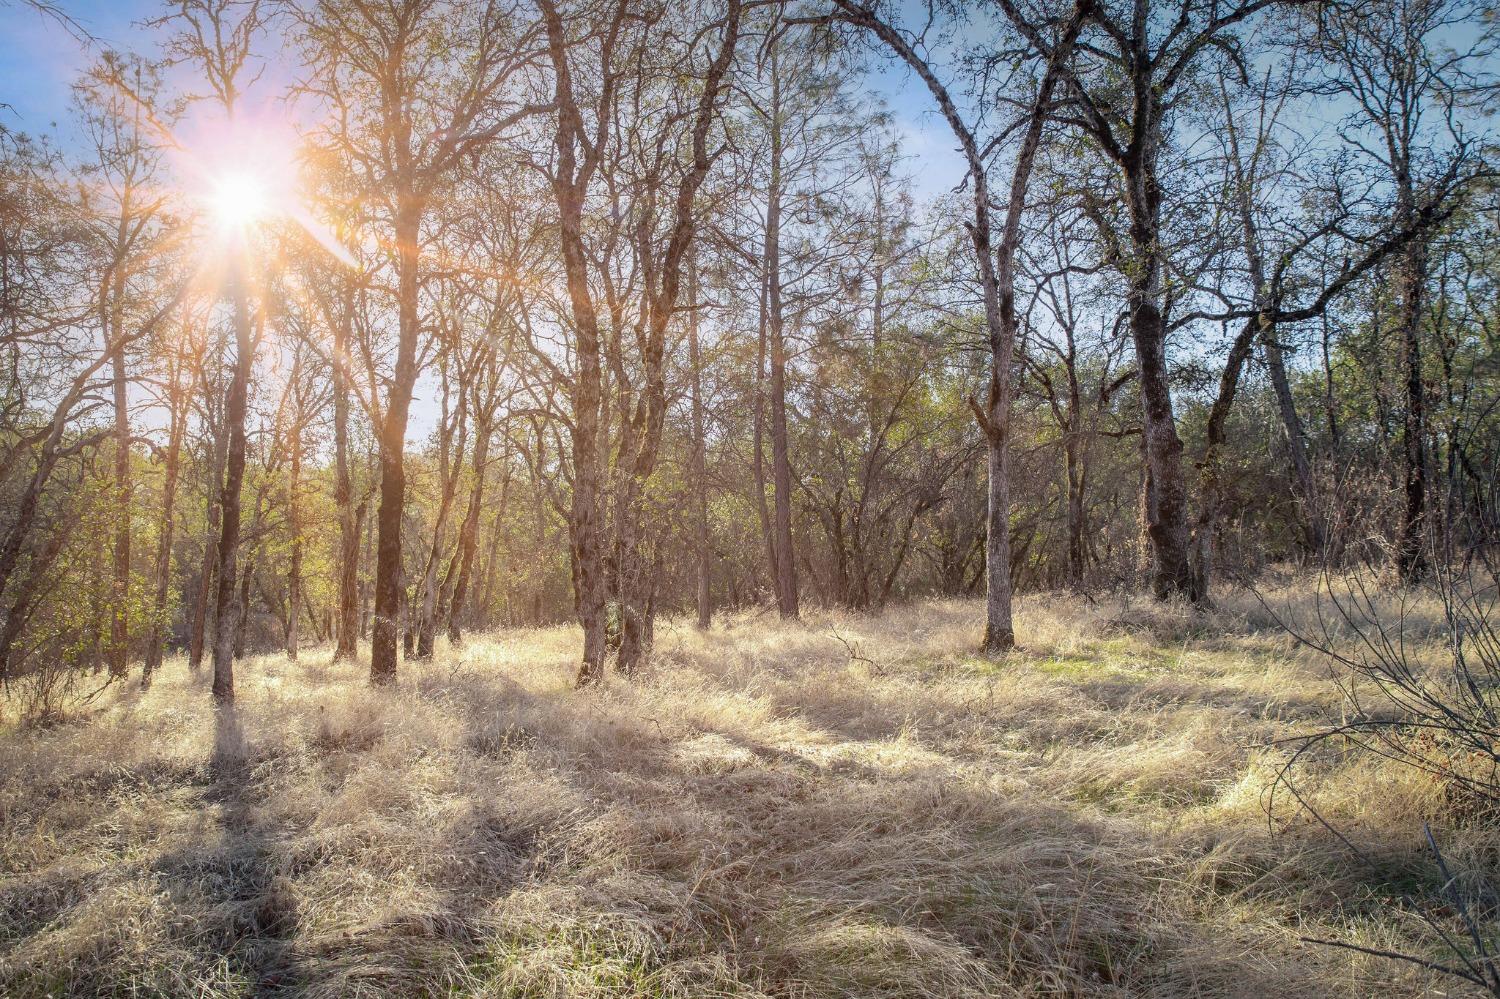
1218	290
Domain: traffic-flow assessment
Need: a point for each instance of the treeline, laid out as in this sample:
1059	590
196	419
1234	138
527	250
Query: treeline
610	310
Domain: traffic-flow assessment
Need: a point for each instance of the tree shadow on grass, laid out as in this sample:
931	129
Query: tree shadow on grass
258	906
836	871
760	864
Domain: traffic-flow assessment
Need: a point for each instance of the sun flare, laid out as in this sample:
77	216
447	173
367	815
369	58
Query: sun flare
239	200
245	175
243	172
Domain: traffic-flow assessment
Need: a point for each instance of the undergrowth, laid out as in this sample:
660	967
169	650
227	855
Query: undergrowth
764	814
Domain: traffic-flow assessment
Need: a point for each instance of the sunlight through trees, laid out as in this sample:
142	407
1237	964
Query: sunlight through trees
381	325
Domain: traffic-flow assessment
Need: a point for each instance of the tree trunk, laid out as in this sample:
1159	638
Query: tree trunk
662	286
366	586
632	582
758	444
388	582
1210	483
569	186
585	515
1245	172
27	592
699	465
350	520
1311	515
427	611
492	555
119	631
781	466
1077	549
999	632
242	618
1412	561
226	609
198	622
294	525
997	283
1166	524
434	594
154	640
1167	511
468	536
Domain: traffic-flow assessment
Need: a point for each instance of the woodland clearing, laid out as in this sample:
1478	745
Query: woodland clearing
853	805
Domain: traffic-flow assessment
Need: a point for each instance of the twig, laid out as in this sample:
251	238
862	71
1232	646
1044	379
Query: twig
1398	956
855	655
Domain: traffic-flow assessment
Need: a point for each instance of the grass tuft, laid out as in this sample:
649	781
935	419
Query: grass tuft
760	815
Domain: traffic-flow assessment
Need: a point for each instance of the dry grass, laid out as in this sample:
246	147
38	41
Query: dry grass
761	815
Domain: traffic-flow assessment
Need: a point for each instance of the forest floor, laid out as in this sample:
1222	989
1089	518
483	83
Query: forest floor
850	806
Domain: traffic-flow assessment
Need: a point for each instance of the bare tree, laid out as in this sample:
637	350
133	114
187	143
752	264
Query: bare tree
996	270
124	173
1072	358
414	89
216	38
1127	122
673	163
1394	62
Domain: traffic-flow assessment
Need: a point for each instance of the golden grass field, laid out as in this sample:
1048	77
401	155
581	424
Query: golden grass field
762	814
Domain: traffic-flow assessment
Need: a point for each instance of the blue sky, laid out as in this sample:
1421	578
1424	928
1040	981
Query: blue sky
41	59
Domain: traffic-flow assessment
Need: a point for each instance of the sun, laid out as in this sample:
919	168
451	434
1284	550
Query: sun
242	172
239	199
244	177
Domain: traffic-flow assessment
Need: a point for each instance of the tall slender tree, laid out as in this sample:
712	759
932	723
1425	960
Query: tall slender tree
413	90
996	268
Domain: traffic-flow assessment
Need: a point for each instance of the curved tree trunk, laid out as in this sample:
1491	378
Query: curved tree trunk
1211	485
1310	513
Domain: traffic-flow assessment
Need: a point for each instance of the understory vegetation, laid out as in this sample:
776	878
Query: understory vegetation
846	805
789	499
